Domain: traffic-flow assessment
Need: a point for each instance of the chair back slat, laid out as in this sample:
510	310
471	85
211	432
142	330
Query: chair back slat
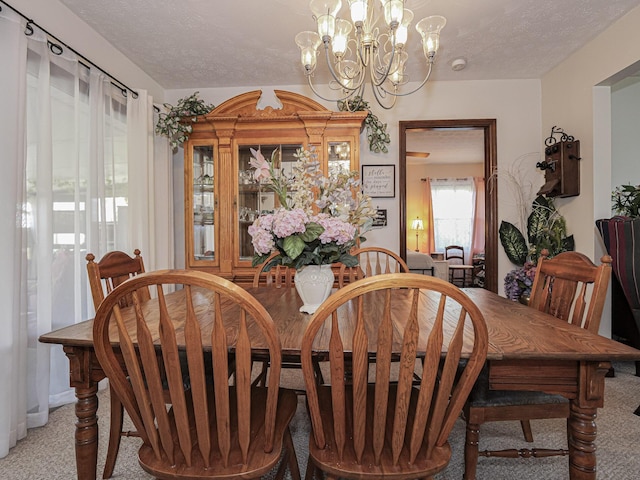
571	287
197	379
429	378
338	397
408	359
210	422
359	367
371	261
243	385
394	315
277	276
383	378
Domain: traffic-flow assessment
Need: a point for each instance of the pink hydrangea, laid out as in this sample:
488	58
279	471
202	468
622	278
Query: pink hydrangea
335	230
261	235
288	222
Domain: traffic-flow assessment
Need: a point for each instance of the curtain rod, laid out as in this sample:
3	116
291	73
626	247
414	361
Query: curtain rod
56	49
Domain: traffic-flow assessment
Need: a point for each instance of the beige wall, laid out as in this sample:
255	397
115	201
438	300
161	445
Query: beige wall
576	96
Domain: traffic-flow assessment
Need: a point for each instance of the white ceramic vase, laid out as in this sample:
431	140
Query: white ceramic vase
313	283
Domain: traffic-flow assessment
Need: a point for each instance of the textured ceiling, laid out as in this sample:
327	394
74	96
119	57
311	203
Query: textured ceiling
446	145
205	43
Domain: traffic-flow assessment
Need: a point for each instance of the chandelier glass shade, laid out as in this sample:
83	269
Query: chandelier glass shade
370	48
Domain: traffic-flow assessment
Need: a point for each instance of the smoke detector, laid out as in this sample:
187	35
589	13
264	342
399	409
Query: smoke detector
458	64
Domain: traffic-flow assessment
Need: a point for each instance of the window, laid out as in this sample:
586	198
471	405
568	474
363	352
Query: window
452	212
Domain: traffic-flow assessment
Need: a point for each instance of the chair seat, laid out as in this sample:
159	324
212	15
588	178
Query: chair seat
348	467
259	462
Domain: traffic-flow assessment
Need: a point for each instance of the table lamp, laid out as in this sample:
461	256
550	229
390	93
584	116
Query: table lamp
417	225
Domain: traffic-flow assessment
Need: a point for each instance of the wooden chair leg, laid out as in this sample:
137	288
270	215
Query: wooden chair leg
294	468
471	451
115	434
526	430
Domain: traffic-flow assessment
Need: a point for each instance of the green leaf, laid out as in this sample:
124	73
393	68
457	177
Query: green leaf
513	243
538	221
313	231
293	245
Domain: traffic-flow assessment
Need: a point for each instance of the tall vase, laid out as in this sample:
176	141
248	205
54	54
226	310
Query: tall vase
313	283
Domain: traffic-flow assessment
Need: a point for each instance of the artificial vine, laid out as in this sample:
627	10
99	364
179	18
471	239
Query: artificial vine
176	122
376	130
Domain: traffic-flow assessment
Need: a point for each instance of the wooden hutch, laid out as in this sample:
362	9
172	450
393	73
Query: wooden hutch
221	199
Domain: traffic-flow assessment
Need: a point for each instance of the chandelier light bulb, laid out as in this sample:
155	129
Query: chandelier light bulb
359	11
402	33
325	12
341	37
393	11
308	42
430	28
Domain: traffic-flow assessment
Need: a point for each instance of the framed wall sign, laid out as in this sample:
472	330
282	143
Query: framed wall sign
380	220
379	181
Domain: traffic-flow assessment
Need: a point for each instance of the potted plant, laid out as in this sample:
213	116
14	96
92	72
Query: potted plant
176	122
376	130
626	200
546	230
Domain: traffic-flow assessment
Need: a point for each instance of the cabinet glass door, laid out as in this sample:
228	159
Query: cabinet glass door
203	207
339	156
254	199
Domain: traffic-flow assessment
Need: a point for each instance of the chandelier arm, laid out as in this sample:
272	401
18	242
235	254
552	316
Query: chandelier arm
404	94
372	70
377	96
313	89
333	72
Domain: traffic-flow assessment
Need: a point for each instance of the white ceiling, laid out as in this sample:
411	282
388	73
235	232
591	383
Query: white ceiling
205	43
446	145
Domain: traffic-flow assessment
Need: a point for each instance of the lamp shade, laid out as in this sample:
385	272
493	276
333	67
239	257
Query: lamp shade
417	224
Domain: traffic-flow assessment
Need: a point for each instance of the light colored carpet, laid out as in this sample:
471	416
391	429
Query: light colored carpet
48	453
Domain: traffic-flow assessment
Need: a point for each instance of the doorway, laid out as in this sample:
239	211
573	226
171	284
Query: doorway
452	132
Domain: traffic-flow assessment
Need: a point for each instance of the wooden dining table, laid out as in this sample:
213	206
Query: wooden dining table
528	350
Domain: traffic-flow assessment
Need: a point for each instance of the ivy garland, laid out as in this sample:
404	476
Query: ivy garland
176	122
377	133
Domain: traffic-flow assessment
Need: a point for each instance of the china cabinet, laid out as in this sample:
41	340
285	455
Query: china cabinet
221	199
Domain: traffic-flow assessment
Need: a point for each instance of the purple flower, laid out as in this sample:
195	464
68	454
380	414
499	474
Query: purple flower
519	281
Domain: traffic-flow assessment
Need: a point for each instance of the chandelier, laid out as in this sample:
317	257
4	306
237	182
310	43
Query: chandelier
371	46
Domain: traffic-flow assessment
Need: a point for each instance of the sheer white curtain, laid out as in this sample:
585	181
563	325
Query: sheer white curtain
67	189
453	209
14	341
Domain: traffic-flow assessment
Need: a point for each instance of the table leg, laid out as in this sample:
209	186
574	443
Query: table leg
87	432
582	420
84	378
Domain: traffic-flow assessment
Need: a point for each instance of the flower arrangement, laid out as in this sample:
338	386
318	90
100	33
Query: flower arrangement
320	218
176	122
518	282
626	200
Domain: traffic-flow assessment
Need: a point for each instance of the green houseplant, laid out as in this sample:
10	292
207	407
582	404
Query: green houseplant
626	200
546	230
176	122
377	133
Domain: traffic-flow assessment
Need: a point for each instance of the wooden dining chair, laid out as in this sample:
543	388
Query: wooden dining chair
371	261
570	287
277	276
106	274
458	270
371	426
214	428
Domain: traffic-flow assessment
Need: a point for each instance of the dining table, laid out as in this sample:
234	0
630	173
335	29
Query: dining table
528	351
